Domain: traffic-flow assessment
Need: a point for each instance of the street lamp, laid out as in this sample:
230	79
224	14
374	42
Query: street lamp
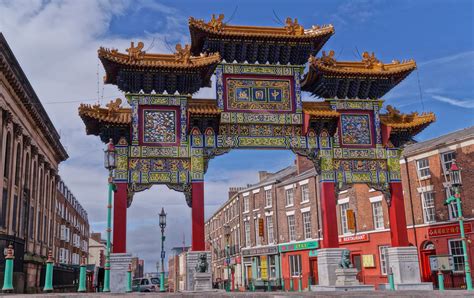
455	179
110	164
227	236
162	226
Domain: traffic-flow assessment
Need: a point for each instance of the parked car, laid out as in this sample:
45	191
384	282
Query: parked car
146	284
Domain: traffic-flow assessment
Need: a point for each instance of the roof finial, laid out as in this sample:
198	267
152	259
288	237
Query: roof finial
293	28
135	53
182	55
218	23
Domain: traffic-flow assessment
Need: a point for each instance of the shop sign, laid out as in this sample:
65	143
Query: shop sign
368	261
442	263
228	261
299	246
313	253
237	260
267	250
354	238
247	260
263	267
448	230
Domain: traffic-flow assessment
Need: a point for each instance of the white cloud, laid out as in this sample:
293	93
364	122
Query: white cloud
56	44
468	103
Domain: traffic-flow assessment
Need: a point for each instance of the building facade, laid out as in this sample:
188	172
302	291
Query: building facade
72	228
284	252
30	153
434	225
97	247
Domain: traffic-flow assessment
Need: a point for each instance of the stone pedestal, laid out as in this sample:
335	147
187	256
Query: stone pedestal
191	274
334	278
346	277
118	271
403	261
202	282
328	262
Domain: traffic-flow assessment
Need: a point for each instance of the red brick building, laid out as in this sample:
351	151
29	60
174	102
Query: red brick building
288	203
72	228
433	226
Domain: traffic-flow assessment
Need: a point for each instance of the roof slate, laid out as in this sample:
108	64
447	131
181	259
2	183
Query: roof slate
456	136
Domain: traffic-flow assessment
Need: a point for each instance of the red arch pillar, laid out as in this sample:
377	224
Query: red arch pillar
398	222
328	215
120	219
197	216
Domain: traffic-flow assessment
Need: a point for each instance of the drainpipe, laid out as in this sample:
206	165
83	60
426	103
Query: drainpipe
280	269
411	201
316	182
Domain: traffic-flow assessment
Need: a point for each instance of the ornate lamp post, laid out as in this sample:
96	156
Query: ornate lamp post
110	164
227	236
162	226
455	177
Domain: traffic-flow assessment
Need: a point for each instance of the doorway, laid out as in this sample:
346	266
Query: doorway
357	262
313	267
427	250
248	275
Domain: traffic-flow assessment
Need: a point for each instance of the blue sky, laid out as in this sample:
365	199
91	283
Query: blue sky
56	43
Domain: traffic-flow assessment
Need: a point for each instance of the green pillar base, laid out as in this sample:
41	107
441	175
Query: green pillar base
8	276
48	283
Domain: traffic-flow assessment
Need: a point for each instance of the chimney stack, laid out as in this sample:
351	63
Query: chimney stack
262	175
234	190
303	164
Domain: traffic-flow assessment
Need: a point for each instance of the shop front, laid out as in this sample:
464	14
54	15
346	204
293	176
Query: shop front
262	267
299	264
232	266
445	239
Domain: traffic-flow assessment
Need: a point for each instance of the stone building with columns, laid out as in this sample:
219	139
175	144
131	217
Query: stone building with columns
30	151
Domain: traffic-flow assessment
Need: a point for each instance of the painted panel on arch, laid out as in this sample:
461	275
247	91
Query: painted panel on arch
356	130
247	93
159	126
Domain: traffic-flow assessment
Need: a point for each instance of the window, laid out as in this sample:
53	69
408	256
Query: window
247	233
6	165
306	225
246	204
295	265
291	228
27	171
383	259
257	236
446	160
45	229
3	214
14	217
304	193
452	207
38	226
18	165
428	206
270	236
259	266
378	215
423	167
268	198
31	222
272	266
455	249
344	207
289	197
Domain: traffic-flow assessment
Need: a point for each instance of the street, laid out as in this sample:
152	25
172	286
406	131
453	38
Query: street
452	293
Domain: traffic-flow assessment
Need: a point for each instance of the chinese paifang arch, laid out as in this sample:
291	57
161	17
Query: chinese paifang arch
168	137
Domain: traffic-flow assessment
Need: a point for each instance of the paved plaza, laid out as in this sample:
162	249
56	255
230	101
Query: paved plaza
453	293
